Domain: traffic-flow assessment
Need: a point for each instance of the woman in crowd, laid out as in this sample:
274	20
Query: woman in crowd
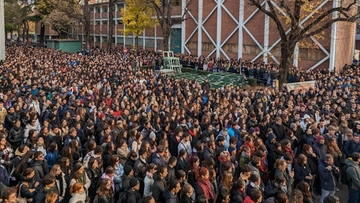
78	193
105	193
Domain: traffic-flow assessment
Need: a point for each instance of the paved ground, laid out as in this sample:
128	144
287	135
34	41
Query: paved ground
343	194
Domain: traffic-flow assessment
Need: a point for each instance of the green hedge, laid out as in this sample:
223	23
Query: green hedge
252	81
147	67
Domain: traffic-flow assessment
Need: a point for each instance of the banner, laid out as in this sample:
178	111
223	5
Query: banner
300	85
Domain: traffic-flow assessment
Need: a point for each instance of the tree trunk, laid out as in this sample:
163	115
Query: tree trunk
287	50
42	35
166	36
27	31
87	22
23	34
111	25
137	45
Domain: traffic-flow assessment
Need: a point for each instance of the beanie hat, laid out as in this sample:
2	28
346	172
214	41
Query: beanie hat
127	169
319	138
152	135
133	182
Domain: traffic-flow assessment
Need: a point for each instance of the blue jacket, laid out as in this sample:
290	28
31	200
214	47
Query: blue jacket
350	147
51	158
327	177
320	150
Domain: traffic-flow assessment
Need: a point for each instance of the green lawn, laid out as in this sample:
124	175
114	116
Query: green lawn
216	79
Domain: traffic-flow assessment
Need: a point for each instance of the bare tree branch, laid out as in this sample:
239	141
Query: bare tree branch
272	14
326	14
328	24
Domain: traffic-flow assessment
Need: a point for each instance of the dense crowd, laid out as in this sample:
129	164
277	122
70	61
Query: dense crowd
92	127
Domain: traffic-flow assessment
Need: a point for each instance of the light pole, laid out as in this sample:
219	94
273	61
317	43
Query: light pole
2	31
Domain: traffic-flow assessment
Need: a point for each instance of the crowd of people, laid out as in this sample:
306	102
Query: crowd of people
92	127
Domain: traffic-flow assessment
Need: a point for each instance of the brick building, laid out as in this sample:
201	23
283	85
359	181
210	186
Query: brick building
229	29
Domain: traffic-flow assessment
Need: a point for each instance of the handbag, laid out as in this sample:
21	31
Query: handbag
21	199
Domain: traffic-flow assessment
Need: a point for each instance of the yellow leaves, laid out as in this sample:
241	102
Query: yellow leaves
137	16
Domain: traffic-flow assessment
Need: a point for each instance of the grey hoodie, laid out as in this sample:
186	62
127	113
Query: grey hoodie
353	173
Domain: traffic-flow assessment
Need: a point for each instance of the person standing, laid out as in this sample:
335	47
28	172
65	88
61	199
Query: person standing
171	194
353	175
327	172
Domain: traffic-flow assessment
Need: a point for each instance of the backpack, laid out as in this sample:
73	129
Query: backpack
122	197
4	176
344	179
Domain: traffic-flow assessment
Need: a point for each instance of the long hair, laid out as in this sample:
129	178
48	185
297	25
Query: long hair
75	172
54	169
23	161
103	190
226	180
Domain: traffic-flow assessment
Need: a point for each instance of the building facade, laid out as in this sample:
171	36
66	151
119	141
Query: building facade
227	29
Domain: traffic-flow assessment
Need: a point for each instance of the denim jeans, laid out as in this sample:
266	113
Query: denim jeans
325	193
354	196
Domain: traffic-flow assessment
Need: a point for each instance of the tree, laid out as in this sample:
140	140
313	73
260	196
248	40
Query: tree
44	7
17	16
64	17
163	10
86	16
111	24
288	14
137	16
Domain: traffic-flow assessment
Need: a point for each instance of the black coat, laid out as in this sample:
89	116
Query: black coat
94	176
159	187
279	131
173	146
169	197
186	199
133	196
16	136
181	164
312	163
236	196
41	169
140	168
300	173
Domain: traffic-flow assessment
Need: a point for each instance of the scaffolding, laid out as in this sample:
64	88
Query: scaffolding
171	62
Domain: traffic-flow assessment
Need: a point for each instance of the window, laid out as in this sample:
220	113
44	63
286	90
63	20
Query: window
140	42
97	9
159	43
128	41
119	22
104	39
119	6
104	22
104	9
97	22
120	40
149	42
97	38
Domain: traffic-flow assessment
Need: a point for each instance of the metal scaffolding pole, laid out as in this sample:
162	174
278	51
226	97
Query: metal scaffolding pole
2	31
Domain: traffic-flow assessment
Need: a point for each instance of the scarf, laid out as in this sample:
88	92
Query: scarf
82	178
206	187
290	151
150	175
61	184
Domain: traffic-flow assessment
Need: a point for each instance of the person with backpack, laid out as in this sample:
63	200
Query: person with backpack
132	194
353	176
